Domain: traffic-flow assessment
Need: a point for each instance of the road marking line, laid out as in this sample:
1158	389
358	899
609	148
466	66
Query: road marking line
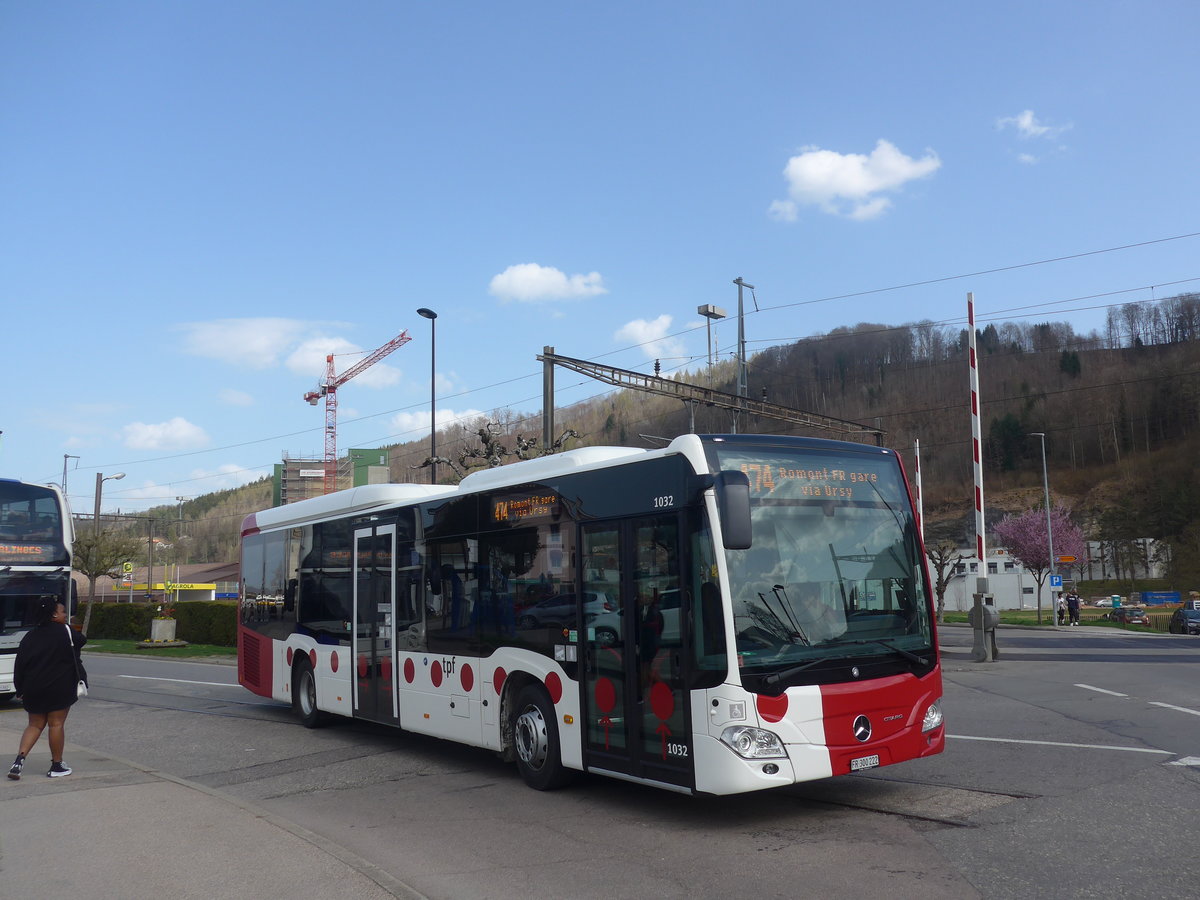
967	737
1186	761
1088	687
1194	712
181	680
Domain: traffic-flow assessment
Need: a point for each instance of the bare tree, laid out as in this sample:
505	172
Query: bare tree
943	556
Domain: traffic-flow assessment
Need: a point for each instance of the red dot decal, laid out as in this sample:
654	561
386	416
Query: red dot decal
362	665
410	671
554	686
333	662
435	674
662	701
312	658
467	677
606	695
773	709
386	666
498	679
289	656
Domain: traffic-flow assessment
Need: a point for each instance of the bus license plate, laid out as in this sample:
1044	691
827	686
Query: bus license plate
864	762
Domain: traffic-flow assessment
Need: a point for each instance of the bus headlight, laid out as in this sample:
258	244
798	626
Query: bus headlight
752	743
933	716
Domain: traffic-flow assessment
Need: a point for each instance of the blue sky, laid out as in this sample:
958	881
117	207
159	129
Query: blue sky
200	200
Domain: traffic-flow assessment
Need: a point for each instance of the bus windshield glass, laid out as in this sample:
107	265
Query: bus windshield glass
31	526
834	575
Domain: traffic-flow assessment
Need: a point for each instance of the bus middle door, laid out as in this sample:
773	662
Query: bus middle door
374	600
634	684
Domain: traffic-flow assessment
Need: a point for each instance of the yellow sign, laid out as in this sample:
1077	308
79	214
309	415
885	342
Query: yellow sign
127	567
170	586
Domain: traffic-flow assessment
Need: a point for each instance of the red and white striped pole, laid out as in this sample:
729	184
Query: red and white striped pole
917	479
976	439
984	649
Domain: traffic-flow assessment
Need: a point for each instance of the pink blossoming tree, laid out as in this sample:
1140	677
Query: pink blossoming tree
1024	537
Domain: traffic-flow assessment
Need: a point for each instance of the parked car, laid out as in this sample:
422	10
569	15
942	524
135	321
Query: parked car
560	610
607	624
1185	621
1105	602
1130	615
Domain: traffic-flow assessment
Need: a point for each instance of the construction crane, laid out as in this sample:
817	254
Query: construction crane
328	389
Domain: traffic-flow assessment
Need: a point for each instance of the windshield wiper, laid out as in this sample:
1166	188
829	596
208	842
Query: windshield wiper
776	677
882	642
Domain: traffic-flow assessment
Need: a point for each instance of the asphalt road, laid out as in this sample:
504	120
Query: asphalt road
1072	769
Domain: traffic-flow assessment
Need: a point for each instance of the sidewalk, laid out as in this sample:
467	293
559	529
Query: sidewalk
115	829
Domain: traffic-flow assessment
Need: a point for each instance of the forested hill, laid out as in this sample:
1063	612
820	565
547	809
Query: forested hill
1120	410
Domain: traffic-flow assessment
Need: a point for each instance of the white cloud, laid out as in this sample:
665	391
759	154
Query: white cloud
265	343
309	359
849	184
1027	126
414	425
233	397
227	475
651	337
251	343
531	283
174	434
1028	158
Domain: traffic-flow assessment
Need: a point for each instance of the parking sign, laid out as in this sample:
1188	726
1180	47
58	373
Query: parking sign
1055	581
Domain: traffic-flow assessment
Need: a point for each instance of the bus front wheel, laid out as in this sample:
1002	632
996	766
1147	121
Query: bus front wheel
535	733
304	694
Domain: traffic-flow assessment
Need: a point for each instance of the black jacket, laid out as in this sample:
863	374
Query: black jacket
44	673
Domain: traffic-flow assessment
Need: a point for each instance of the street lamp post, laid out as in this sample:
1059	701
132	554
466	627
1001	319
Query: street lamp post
67	456
429	314
710	312
178	544
100	479
1041	435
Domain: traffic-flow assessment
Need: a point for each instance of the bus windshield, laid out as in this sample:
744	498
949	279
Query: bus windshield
31	526
834	572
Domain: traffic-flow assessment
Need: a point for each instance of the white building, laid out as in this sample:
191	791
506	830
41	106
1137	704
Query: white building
1012	586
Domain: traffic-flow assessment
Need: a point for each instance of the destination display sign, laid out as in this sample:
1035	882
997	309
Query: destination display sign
778	475
28	554
525	508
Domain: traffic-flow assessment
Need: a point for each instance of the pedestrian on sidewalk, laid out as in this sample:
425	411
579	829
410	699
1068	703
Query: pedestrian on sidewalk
47	669
1073	607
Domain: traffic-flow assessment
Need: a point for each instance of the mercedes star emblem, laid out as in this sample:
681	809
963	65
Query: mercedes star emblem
862	729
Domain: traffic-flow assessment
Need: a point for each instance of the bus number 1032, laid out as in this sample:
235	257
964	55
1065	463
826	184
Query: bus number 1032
664	502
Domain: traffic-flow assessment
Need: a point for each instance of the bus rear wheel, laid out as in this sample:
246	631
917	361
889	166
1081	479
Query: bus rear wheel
535	733
304	694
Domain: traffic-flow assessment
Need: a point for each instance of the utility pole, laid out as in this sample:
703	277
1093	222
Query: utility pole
741	381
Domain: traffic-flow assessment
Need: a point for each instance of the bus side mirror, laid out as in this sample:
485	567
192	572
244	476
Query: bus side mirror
733	507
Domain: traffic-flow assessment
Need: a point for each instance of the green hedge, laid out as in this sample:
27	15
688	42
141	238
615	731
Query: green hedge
197	621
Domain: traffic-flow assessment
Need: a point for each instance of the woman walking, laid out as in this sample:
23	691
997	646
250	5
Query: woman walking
46	673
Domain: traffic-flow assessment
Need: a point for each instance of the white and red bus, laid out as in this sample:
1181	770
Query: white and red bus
36	538
725	614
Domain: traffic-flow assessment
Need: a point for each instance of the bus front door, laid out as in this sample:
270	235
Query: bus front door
634	695
374	599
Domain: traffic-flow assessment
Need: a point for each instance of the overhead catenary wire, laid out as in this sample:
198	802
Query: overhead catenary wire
793	304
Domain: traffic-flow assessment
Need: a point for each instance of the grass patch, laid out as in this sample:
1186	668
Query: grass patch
191	651
1086	617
